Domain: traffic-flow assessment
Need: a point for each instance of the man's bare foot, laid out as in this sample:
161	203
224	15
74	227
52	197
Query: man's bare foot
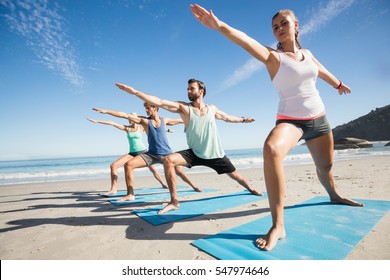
169	207
110	192
126	198
268	241
341	200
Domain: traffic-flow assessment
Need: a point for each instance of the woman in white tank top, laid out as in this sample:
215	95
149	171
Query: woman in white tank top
301	113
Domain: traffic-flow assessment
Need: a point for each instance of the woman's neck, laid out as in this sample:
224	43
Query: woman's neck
292	48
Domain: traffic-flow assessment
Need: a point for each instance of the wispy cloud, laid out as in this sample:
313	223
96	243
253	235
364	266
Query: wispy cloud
44	31
321	17
240	74
324	15
148	7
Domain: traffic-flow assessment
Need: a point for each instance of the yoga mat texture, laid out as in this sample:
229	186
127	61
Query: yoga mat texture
316	230
156	196
198	207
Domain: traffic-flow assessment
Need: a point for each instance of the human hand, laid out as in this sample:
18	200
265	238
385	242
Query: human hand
91	120
208	19
253	191
249	120
126	88
102	111
344	89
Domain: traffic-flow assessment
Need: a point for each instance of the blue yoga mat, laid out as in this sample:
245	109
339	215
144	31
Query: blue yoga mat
198	207
316	230
150	197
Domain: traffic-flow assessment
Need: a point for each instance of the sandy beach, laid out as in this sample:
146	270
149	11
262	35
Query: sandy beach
70	221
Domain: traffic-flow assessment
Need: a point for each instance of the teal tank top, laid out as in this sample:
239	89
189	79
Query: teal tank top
202	135
135	141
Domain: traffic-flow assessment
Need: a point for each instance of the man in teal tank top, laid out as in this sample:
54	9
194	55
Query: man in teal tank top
202	137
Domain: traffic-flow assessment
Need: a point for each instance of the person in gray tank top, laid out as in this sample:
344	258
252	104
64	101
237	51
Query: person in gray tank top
202	137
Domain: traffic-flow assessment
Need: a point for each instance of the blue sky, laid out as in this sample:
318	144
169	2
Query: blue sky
59	59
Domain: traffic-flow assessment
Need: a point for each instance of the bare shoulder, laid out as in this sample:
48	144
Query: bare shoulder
273	56
182	103
183	106
272	63
307	52
214	109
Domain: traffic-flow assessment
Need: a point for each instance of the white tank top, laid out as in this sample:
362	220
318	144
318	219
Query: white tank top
295	82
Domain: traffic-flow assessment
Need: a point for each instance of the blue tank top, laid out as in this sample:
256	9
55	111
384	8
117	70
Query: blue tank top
157	139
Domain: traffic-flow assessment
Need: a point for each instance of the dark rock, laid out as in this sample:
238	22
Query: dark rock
387	144
375	126
351	143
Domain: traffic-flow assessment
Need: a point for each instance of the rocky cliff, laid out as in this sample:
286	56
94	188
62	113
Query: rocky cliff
375	126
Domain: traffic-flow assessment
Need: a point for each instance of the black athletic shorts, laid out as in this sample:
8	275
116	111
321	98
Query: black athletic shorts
220	165
134	154
310	128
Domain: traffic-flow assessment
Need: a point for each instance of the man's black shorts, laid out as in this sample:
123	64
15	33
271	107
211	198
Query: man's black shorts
220	165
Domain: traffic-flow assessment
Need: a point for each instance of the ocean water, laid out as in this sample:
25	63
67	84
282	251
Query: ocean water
85	168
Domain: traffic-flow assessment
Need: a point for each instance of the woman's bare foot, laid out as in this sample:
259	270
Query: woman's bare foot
341	200
268	241
110	192
126	198
173	205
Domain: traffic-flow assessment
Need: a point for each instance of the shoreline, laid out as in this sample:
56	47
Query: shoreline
142	173
67	220
97	167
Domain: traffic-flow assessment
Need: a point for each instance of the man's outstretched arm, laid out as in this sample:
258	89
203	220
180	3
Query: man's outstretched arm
118	114
151	99
169	121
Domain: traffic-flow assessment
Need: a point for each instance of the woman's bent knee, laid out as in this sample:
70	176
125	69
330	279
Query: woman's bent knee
273	150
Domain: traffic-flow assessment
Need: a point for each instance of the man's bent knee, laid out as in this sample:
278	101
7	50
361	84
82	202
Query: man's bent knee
325	168
168	161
